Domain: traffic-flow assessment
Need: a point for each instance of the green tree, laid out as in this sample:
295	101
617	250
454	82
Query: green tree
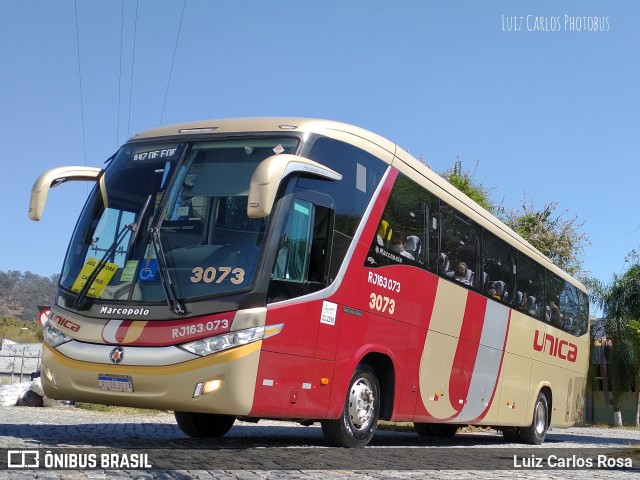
465	182
620	302
557	237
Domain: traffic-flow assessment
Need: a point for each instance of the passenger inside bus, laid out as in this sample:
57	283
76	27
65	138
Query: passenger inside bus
526	303
553	315
398	244
462	274
384	233
496	290
413	246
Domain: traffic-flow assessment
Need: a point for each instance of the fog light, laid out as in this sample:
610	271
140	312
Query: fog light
48	374
203	388
198	391
211	386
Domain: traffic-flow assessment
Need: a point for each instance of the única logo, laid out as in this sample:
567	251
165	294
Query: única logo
556	347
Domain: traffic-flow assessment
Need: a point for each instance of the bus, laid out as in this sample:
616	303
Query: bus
306	270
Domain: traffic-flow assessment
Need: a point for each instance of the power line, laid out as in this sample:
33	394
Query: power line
175	48
120	75
133	60
84	142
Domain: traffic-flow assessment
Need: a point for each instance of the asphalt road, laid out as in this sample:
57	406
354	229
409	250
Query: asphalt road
79	444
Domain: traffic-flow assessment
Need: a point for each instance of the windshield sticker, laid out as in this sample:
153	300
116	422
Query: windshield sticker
210	274
129	271
164	153
101	281
278	149
148	271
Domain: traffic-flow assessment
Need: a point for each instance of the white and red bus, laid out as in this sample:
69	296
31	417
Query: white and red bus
300	269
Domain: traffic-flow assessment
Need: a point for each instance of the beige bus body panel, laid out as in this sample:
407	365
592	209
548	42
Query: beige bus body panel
166	380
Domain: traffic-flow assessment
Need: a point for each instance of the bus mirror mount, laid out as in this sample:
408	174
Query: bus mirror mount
54	177
269	174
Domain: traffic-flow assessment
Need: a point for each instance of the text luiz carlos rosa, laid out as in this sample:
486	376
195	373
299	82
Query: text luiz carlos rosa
573	461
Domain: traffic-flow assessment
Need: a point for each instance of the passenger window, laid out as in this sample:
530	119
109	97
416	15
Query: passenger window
499	261
408	230
361	173
460	253
302	259
292	260
565	306
530	287
554	287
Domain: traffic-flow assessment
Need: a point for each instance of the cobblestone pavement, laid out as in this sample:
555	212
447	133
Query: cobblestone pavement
276	450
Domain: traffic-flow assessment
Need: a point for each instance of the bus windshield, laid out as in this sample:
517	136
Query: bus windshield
171	215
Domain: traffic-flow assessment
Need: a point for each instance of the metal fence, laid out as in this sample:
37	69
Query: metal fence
19	362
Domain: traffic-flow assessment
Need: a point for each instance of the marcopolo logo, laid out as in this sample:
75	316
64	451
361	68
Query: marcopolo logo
125	311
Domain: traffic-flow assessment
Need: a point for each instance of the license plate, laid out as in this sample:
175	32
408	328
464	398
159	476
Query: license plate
115	383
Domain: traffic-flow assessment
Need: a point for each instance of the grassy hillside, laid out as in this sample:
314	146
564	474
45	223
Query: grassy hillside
21	331
21	293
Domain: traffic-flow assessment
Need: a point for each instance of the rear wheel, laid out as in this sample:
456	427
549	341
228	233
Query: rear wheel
357	424
537	431
443	430
511	435
423	429
204	425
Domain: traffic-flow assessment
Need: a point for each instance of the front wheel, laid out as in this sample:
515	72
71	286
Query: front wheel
357	424
204	425
535	433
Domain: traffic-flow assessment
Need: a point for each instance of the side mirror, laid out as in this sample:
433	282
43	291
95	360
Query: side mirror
53	178
269	173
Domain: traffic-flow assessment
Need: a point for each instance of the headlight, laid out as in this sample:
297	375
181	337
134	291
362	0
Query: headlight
53	336
207	346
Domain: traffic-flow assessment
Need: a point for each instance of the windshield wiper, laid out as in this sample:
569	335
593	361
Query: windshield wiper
175	305
131	227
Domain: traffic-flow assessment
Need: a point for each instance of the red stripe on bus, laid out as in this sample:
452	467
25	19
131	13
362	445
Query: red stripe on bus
467	351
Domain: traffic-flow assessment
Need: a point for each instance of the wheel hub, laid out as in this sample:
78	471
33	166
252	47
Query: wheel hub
361	404
540	420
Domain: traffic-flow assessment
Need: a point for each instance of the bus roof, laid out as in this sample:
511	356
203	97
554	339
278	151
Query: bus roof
368	141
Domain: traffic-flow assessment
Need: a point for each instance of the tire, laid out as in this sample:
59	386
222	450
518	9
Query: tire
423	429
443	430
357	424
204	425
535	433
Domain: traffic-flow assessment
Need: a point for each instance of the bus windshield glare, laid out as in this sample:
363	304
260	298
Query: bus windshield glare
193	196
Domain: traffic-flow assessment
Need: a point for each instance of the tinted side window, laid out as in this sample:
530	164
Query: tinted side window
530	287
499	262
361	173
567	307
554	287
460	250
408	230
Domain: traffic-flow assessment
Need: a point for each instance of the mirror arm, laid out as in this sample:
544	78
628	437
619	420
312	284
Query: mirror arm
271	171
54	177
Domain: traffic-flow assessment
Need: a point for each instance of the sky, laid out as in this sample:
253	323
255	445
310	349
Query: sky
540	99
